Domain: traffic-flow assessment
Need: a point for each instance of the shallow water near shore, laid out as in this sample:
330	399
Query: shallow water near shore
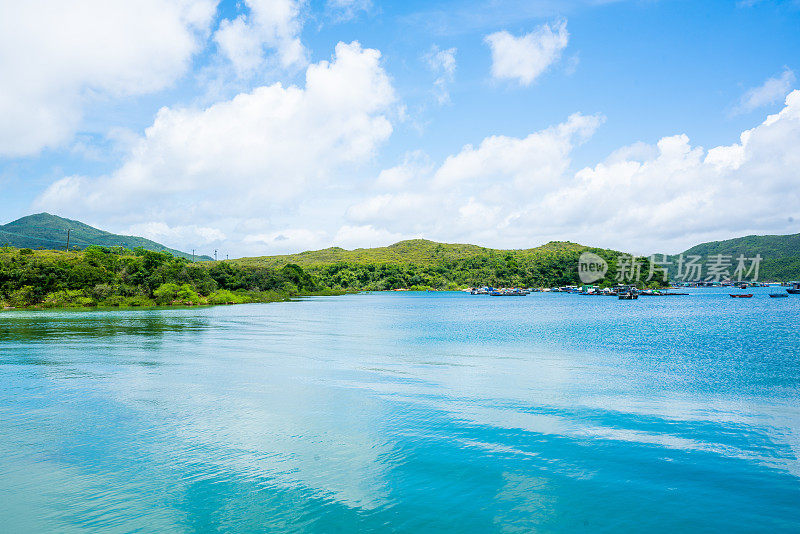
409	412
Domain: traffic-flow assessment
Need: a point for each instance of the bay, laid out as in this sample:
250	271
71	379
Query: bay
405	412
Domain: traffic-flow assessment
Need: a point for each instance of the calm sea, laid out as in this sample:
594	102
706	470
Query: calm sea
406	412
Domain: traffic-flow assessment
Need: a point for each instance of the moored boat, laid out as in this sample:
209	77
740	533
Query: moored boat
741	296
509	292
627	293
778	295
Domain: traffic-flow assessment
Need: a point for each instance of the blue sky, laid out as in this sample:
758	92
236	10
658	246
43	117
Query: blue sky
504	123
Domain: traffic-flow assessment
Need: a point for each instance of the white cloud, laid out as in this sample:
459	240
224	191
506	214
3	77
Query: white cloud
469	196
159	231
443	64
525	58
518	192
246	156
538	160
240	44
270	25
286	240
57	57
344	10
770	92
349	236
415	164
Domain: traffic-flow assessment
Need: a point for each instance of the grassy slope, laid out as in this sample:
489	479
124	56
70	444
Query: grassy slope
49	231
416	251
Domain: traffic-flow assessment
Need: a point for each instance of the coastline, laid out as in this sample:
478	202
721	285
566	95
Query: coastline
179	305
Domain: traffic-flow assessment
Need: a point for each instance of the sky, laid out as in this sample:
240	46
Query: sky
258	127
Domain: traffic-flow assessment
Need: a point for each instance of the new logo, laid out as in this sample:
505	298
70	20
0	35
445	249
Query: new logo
591	267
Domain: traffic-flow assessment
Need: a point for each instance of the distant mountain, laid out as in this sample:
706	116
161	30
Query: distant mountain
780	254
417	251
47	231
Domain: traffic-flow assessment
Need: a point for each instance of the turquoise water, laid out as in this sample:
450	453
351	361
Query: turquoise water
407	412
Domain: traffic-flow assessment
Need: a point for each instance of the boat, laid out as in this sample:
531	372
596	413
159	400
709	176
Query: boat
508	293
795	289
778	295
627	293
741	296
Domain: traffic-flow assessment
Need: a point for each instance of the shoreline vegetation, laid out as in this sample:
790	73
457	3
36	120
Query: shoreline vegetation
115	277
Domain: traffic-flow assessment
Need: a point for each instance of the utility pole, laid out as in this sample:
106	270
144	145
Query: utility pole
215	254
192	255
68	229
226	257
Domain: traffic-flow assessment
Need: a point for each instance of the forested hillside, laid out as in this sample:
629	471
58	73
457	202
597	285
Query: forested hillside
423	264
780	254
101	276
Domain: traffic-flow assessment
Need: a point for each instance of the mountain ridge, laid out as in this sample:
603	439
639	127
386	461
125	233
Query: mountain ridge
45	230
780	254
418	251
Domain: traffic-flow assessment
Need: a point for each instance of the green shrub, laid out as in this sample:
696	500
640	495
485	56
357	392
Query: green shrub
223	296
115	300
26	296
186	293
166	293
102	292
139	300
74	298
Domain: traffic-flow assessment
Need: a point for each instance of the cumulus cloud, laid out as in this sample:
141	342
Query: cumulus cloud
245	156
473	192
415	164
517	192
57	57
443	64
525	58
770	92
271	25
499	162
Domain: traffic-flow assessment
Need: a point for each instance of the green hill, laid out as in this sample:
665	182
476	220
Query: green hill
780	254
423	264
46	231
769	246
412	251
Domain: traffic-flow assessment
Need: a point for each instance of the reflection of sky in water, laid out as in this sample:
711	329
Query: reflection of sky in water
415	411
